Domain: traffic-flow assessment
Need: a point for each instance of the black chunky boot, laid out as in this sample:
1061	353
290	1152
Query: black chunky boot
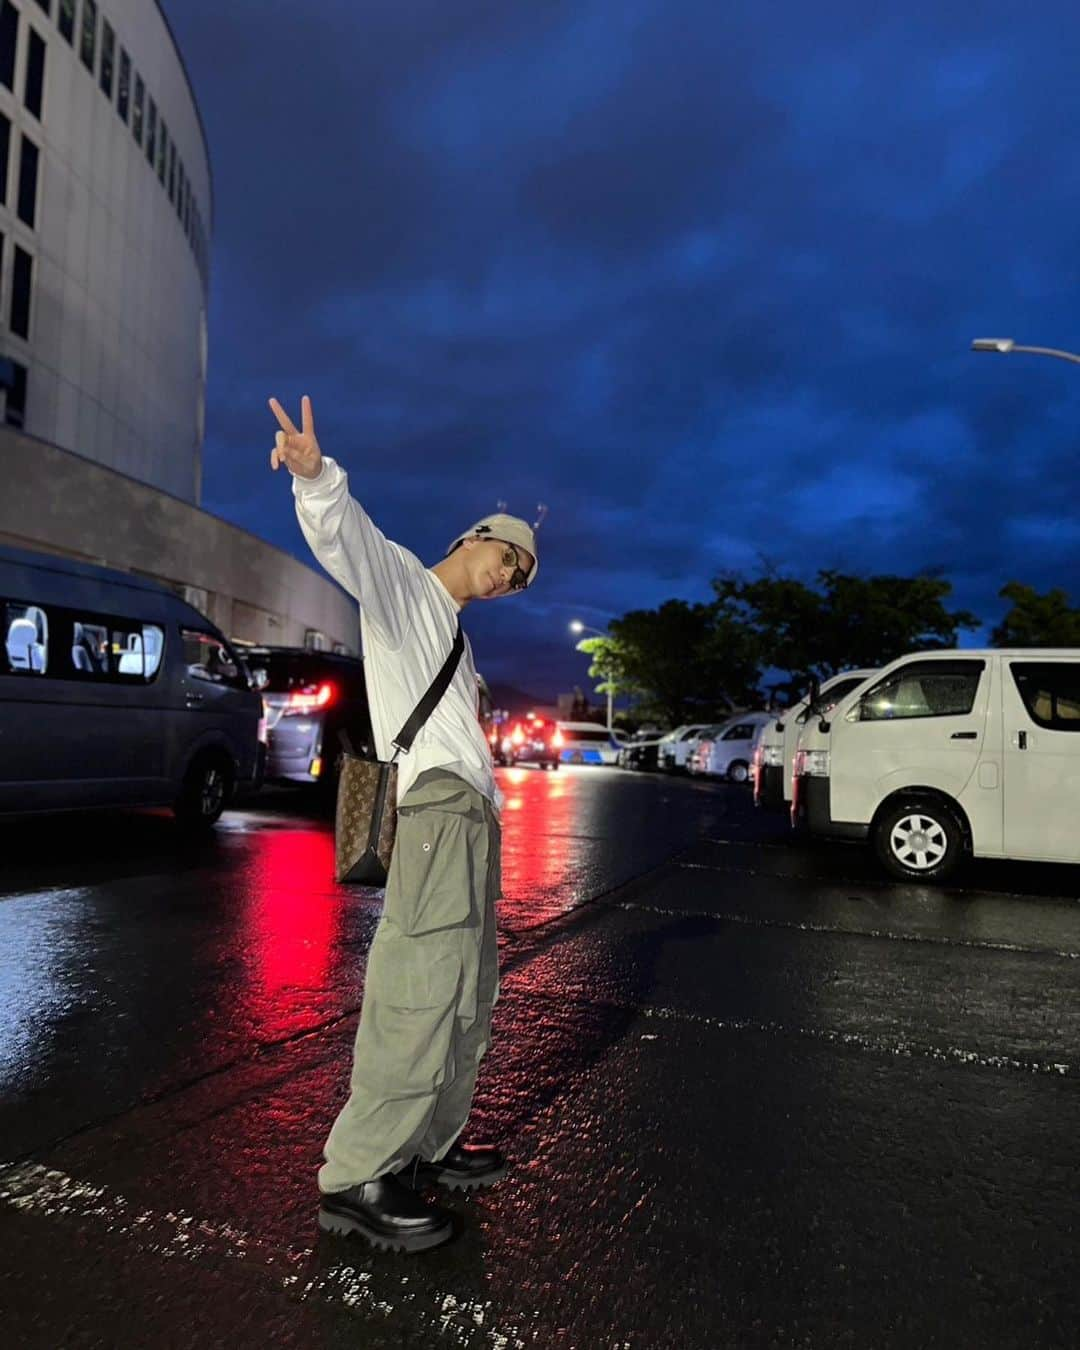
464	1168
386	1212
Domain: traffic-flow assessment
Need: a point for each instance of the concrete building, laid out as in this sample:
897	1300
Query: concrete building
106	209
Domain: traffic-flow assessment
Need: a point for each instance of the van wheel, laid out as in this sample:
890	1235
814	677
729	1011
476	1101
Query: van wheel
205	791
919	840
738	771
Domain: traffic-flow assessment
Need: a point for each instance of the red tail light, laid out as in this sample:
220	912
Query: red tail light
306	702
517	735
557	739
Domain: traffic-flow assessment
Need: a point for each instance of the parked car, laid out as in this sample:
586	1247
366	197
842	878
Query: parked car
727	753
773	765
587	743
676	746
949	753
697	745
641	751
311	697
115	692
528	740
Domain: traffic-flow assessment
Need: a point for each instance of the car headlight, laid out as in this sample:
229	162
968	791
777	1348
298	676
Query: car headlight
813	763
772	755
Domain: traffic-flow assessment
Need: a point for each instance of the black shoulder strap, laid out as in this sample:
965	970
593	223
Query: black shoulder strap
403	740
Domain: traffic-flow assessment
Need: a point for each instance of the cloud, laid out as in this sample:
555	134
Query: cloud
701	278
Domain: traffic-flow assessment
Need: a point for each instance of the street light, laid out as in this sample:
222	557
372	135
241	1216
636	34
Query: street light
576	626
1004	346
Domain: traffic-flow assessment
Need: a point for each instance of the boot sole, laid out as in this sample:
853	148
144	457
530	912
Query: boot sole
344	1225
458	1183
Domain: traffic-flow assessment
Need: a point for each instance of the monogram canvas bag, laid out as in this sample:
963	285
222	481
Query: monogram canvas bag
366	819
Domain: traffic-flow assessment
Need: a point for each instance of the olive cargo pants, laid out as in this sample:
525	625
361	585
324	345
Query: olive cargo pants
432	980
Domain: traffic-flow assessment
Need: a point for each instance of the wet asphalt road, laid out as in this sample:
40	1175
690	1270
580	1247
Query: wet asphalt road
755	1095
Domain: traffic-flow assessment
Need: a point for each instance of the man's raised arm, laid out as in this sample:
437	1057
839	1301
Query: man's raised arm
341	535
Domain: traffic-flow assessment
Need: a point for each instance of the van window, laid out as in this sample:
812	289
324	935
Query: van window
743	732
26	639
207	658
585	737
90	646
136	649
830	698
1051	692
922	689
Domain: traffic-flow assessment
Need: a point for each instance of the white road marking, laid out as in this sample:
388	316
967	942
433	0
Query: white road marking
754	921
897	1046
173	1235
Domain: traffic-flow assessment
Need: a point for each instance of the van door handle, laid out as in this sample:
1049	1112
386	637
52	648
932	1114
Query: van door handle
1021	740
194	698
964	736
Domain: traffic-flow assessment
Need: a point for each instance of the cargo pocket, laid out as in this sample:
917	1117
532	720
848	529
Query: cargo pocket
431	879
415	972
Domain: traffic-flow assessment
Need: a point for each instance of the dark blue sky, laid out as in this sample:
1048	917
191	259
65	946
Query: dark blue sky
700	277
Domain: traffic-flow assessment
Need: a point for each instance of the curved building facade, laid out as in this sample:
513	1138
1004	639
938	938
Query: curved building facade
106	209
106	206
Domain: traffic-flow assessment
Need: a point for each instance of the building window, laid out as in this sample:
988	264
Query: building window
21	275
163	152
137	112
34	84
13	379
151	129
28	180
172	172
66	19
5	150
88	45
123	91
9	36
108	58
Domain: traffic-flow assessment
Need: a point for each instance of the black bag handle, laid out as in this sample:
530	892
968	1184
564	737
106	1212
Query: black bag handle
402	742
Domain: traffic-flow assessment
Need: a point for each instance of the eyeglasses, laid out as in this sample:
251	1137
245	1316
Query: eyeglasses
518	577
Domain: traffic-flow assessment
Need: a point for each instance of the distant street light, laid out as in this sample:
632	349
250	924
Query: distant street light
576	626
1006	345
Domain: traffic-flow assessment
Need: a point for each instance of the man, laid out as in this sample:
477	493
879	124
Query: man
432	974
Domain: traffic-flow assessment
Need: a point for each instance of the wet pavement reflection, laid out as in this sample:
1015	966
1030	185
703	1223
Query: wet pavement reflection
754	1093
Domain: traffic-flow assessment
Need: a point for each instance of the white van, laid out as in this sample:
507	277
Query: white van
114	692
675	746
774	759
727	753
946	753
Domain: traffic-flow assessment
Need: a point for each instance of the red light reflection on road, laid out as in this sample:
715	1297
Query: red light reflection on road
539	819
290	926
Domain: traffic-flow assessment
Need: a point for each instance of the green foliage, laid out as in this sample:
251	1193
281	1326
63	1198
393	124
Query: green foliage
846	622
1037	620
681	661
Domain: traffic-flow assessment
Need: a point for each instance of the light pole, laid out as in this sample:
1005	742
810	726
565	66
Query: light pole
576	626
1006	345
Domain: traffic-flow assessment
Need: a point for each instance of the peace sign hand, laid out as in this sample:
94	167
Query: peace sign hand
297	450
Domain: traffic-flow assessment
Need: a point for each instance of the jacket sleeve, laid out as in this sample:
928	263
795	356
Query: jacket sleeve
378	573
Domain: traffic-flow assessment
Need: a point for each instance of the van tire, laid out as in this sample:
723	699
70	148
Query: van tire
738	771
206	790
913	821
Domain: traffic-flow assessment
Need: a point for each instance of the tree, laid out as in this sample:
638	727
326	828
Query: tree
1036	620
846	622
682	661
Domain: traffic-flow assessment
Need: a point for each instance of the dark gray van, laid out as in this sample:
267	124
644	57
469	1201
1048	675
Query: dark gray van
116	692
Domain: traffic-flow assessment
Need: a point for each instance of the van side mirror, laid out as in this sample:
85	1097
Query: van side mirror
824	727
779	726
